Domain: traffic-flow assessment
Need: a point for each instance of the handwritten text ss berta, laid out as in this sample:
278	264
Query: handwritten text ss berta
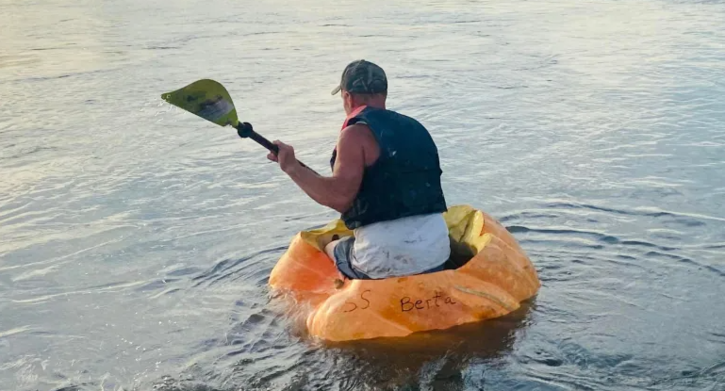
407	304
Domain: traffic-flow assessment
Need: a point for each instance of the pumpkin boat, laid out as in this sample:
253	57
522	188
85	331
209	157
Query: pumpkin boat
487	276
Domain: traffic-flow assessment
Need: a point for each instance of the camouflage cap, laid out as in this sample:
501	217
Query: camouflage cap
362	77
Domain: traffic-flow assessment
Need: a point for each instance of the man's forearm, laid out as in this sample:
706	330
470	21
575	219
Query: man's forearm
321	189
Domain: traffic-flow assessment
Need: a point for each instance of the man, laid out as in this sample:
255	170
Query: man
385	181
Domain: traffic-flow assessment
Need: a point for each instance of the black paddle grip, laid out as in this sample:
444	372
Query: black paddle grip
245	130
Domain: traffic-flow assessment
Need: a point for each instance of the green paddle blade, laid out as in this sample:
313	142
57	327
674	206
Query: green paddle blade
206	98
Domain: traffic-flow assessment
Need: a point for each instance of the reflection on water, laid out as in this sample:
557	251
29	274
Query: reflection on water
429	359
136	240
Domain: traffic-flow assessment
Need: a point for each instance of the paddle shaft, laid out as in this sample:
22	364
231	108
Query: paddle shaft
245	130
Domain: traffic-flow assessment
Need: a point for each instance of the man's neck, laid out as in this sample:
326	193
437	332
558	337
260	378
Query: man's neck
372	104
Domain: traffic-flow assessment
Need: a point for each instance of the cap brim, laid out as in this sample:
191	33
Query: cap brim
336	90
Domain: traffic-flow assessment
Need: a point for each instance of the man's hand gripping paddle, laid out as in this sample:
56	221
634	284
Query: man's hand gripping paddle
209	99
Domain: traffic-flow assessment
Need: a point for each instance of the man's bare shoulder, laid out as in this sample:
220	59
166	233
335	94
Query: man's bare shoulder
360	137
357	133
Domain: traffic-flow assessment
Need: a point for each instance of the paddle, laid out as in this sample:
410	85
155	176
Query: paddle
209	99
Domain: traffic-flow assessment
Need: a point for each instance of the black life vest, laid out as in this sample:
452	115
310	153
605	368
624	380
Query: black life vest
405	180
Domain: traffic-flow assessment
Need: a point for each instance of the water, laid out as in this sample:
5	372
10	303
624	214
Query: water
136	240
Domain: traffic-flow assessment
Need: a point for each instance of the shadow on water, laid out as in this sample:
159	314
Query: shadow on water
423	360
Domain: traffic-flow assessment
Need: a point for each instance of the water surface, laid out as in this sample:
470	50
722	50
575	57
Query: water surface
136	240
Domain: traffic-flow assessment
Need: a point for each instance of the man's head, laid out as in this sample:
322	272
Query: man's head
362	83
